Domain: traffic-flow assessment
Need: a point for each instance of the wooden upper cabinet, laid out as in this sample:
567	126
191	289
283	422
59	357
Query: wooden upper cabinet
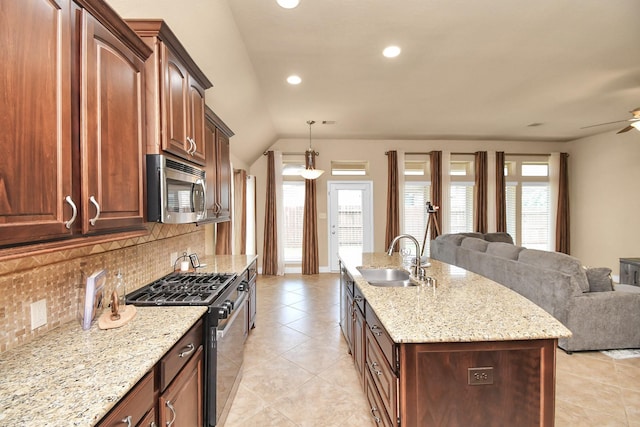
72	102
218	167
112	131
35	123
175	94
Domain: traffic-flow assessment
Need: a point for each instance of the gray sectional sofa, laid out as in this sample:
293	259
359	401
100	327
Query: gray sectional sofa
600	316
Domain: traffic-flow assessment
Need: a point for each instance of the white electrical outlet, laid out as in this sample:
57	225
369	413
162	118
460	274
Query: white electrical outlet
174	257
38	314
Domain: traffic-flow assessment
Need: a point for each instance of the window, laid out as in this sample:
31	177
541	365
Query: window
417	192
293	204
461	194
416	196
528	201
349	168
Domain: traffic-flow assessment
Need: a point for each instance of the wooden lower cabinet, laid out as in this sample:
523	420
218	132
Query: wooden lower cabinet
506	383
515	384
135	407
171	394
181	403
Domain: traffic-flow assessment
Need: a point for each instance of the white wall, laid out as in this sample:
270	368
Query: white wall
604	181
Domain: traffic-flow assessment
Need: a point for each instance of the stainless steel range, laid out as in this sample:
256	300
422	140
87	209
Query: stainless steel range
225	295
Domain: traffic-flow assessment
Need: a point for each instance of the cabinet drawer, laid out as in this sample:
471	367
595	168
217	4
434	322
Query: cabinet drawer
135	405
386	382
378	412
381	336
180	354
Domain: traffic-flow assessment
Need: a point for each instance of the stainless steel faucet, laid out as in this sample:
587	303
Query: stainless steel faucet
416	262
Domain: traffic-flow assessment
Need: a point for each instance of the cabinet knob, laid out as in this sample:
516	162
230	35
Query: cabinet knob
74	211
127	421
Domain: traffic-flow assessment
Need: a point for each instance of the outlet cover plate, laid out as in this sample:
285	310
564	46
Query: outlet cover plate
38	314
480	376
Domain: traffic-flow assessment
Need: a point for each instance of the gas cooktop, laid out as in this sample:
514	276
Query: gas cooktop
182	289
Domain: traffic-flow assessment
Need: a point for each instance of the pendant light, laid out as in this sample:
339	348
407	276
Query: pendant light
310	172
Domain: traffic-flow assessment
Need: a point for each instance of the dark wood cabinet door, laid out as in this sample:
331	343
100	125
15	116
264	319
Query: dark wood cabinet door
181	403
211	169
35	123
223	178
174	104
196	121
358	342
112	131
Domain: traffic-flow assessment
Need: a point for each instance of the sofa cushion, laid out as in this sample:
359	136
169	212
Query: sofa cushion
504	250
557	261
475	244
473	234
498	237
599	279
454	239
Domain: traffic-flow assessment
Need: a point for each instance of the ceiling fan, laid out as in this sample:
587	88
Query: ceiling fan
634	122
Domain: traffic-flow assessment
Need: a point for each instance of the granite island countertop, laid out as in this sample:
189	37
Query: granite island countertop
463	307
72	377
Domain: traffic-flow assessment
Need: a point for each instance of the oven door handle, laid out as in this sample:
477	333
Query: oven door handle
236	312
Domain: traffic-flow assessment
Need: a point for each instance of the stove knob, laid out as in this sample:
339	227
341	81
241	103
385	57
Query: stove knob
223	313
242	287
229	304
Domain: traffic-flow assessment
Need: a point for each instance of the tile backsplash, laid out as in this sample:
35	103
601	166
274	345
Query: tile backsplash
59	277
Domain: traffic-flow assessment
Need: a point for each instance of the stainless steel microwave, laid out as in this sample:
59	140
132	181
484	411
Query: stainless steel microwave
176	192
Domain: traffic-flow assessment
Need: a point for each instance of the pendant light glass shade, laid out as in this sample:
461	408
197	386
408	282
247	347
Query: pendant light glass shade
310	172
636	124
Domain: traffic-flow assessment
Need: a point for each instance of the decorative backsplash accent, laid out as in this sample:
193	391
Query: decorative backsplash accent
60	276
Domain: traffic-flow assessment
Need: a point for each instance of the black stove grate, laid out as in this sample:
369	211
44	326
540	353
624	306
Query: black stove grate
182	289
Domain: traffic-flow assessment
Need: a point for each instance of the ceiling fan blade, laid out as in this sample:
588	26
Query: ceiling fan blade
627	129
602	124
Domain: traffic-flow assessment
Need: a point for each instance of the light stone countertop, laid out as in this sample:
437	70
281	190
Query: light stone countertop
464	307
71	377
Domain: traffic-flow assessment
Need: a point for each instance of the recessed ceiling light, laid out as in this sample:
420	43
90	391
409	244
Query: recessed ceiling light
294	80
288	4
391	51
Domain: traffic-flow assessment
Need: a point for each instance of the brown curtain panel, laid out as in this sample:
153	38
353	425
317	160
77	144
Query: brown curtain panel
310	264
393	200
501	195
240	204
270	246
435	161
562	219
223	238
480	222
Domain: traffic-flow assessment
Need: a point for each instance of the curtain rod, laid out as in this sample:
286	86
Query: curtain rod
412	153
292	153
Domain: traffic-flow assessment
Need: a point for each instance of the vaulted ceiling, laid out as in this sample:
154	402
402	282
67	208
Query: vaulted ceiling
499	69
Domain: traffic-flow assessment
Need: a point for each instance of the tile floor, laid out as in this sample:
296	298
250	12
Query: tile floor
297	371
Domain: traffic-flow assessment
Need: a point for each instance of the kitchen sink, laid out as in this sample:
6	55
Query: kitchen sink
393	277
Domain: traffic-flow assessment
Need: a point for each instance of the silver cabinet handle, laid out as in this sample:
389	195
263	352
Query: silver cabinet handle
74	211
93	220
375	371
195	146
189	350
173	411
192	146
376	330
127	421
373	413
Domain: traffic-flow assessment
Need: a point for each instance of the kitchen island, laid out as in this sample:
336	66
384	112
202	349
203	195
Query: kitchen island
467	352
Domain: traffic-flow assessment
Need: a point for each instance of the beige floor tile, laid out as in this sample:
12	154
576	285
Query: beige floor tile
298	372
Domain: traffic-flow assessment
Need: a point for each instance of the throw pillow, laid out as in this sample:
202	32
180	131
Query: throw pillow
599	279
